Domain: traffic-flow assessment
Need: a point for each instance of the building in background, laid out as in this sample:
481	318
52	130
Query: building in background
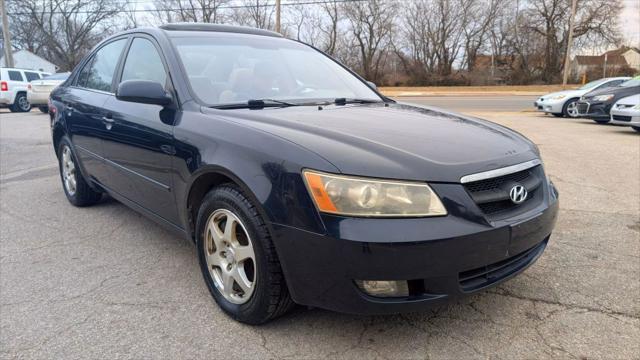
618	62
24	59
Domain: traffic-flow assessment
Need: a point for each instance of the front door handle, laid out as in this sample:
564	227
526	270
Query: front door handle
108	121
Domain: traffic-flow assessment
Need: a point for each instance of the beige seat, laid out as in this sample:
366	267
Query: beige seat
239	86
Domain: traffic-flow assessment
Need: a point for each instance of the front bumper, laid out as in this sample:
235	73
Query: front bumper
549	106
629	117
442	258
594	110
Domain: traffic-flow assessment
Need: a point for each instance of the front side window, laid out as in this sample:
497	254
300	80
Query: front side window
230	69
98	73
631	83
31	76
15	75
144	63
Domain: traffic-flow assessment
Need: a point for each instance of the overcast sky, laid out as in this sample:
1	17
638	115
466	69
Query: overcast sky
630	22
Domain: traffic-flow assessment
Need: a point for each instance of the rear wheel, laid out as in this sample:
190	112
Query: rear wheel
78	192
601	121
21	104
238	259
44	109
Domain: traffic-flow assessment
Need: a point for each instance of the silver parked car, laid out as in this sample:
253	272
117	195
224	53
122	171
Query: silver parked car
38	90
627	112
563	103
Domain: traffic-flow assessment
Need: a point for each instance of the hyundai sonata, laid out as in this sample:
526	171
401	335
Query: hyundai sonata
296	179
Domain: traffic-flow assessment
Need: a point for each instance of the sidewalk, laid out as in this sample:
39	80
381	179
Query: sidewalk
525	90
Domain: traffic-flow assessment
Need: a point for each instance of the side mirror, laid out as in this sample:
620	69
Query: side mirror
372	85
143	91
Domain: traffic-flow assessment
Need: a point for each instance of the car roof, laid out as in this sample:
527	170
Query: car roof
202	27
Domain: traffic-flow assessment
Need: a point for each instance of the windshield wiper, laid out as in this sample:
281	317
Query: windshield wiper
256	104
344	101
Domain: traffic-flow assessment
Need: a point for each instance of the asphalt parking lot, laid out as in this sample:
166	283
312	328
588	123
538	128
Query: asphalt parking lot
105	282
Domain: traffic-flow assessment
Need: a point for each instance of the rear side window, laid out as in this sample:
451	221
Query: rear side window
98	73
144	63
15	75
31	76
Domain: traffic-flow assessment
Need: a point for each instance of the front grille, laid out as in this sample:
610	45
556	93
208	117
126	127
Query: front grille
582	108
492	195
621	118
484	276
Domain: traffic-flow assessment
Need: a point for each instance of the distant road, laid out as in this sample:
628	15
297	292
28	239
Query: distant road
497	103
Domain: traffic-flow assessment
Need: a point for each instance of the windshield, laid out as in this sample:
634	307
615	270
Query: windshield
592	84
59	76
633	82
231	69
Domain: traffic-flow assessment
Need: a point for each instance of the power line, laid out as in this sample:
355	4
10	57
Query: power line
221	7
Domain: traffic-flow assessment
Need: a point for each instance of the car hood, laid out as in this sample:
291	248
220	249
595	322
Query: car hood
567	93
397	141
630	100
618	92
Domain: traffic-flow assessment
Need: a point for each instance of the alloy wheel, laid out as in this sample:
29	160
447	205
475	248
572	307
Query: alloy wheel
23	103
68	171
572	109
230	257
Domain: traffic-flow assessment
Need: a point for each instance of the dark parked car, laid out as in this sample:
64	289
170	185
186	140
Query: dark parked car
596	105
298	181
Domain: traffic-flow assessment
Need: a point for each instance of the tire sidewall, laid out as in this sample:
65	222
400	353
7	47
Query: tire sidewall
17	101
65	142
223	198
565	108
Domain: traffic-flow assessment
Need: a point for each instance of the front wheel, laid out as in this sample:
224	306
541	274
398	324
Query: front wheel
636	128
44	109
570	108
77	190
602	122
238	259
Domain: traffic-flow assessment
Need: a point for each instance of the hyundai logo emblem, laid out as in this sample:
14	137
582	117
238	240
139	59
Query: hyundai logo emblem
518	194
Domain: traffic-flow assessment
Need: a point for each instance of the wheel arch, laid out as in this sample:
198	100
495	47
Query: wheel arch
206	179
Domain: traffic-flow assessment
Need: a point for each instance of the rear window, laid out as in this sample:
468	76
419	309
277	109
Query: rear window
32	76
15	75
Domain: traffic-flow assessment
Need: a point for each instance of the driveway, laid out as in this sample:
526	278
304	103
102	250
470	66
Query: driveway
105	282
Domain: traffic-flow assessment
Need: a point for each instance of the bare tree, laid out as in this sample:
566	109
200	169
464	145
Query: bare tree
208	11
65	29
255	13
371	24
595	19
481	15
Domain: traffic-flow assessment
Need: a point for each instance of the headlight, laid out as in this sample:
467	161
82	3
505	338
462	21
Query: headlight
559	97
355	196
603	97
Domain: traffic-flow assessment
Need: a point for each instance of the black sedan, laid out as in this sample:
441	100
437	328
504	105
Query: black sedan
297	181
596	105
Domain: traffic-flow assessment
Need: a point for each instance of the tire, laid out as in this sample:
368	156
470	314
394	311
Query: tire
569	109
557	114
636	128
44	109
20	104
75	187
268	296
602	122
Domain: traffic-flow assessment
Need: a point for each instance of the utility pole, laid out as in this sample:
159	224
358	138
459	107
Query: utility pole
278	15
567	58
604	68
6	36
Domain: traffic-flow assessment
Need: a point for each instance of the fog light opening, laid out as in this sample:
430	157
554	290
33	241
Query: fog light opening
384	288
